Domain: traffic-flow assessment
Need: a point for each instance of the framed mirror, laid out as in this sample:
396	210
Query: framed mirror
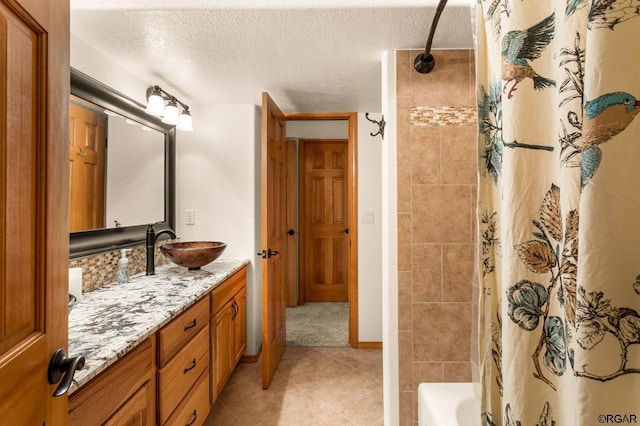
133	183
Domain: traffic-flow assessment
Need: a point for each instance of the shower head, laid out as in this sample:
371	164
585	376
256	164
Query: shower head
424	62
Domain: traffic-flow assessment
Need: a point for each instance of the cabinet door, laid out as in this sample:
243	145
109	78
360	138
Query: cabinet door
240	325
224	350
137	411
97	401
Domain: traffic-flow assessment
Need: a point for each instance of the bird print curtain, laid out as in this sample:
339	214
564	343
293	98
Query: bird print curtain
558	91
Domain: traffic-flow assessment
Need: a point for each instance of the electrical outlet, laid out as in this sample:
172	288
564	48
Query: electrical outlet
190	217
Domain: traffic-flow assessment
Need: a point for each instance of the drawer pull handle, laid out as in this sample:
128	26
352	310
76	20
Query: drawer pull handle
193	324
193	365
234	307
195	417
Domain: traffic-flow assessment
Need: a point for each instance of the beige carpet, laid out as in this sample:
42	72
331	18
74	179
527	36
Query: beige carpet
318	324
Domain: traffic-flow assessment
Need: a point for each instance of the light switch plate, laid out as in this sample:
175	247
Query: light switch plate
366	216
189	217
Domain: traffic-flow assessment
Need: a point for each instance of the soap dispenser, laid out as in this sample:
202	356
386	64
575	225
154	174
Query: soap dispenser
123	267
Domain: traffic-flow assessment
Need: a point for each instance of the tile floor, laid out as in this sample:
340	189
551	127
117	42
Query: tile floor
312	386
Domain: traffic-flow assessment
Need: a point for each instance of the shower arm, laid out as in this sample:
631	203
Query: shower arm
424	62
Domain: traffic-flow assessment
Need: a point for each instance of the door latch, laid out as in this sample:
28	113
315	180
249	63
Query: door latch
267	253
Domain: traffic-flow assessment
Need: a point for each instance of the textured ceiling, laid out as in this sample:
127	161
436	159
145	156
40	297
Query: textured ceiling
308	58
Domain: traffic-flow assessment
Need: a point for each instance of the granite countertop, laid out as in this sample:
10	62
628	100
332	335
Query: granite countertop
114	319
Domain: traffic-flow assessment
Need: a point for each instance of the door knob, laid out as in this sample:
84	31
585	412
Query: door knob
61	367
271	253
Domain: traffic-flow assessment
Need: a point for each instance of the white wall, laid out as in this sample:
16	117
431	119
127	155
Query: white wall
369	234
390	374
218	176
94	63
318	129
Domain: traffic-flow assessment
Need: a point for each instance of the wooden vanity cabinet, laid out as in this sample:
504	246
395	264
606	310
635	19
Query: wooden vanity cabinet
174	376
183	366
228	329
124	394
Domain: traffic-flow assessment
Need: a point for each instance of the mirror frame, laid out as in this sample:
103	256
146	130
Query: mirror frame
85	243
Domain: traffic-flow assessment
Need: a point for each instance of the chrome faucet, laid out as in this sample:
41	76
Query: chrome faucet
152	237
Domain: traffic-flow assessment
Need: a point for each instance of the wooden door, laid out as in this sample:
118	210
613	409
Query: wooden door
325	251
87	135
274	222
34	238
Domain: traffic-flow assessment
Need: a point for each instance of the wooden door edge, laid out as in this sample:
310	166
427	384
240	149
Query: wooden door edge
301	233
352	188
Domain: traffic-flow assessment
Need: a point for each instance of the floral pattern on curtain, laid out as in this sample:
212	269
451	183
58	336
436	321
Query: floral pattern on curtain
559	211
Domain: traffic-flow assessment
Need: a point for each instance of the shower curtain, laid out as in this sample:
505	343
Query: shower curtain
558	92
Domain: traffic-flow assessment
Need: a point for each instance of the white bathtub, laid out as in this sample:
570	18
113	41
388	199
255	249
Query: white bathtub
448	404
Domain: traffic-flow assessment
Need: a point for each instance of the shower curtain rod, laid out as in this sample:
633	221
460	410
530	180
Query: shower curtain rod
424	62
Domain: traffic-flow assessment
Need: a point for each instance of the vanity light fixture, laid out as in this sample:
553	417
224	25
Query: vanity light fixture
171	113
155	101
174	112
185	122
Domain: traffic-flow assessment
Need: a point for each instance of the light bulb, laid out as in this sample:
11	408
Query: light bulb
155	103
171	113
186	122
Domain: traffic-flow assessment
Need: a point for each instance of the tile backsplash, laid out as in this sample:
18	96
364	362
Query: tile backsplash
101	269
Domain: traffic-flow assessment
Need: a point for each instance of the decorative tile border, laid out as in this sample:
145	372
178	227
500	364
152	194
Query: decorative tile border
101	269
443	116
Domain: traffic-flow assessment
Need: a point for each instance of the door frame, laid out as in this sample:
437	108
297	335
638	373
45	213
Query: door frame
352	207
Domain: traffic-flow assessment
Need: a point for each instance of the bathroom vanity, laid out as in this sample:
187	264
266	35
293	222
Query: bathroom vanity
160	348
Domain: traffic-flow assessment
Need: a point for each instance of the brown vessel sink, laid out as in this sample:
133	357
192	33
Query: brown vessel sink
194	254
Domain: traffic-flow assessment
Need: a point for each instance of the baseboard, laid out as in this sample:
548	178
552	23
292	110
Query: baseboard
369	345
249	359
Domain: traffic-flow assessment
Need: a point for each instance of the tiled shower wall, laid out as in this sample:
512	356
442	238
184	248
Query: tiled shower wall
436	221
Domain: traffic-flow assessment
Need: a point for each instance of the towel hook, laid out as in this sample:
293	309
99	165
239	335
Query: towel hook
380	124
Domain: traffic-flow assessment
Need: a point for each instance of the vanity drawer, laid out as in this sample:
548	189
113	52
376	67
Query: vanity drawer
179	331
225	291
179	375
112	389
194	409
